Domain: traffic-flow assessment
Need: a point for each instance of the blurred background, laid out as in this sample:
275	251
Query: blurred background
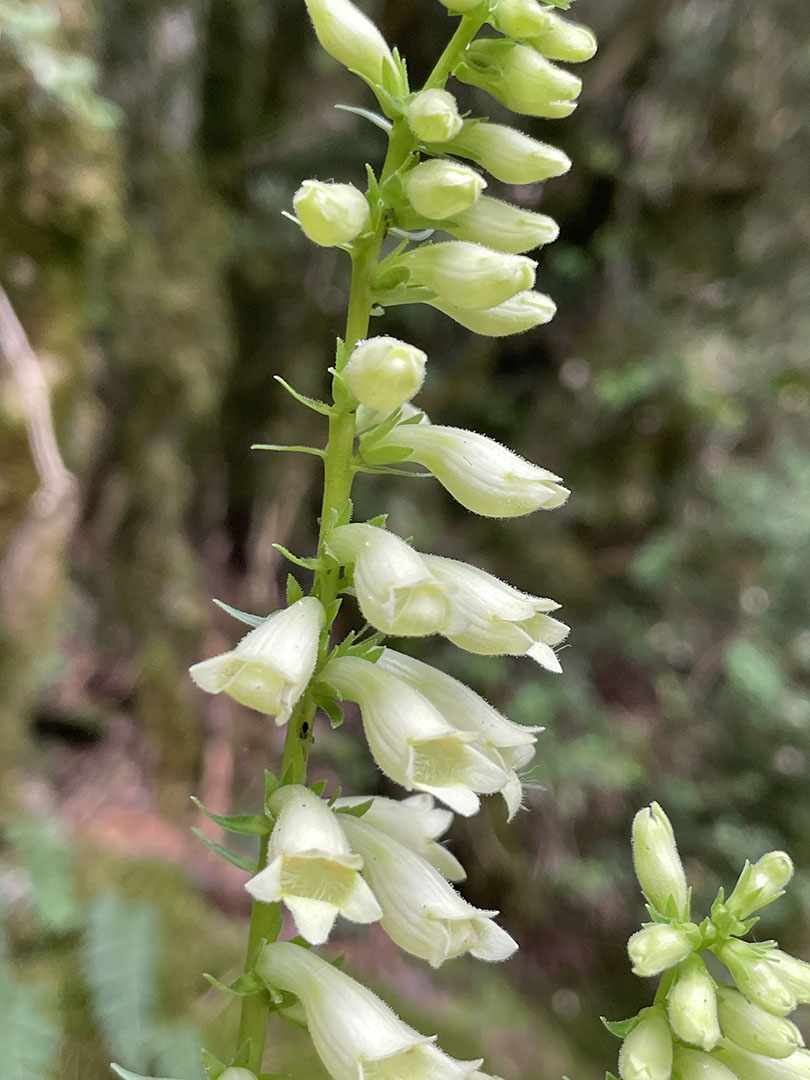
146	151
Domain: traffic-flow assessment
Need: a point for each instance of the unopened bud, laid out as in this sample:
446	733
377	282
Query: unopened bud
520	18
467	275
330	214
514	316
692	1006
757	976
433	116
562	40
794	973
656	948
761	883
441	189
753	1028
748	1066
657	863
508	154
646	1053
696	1065
350	37
502	226
384	372
520	78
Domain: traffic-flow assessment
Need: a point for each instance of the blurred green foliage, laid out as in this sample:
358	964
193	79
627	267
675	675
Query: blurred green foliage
146	153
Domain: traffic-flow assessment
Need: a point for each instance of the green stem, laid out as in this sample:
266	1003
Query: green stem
466	30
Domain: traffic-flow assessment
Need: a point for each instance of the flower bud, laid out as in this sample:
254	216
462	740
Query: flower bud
692	1006
657	863
467	275
520	18
482	475
270	667
748	1066
562	40
440	188
384	373
696	1065
521	312
757	976
656	948
504	227
761	883
350	37
508	154
646	1053
433	116
794	973
330	214
234	1073
520	78
754	1029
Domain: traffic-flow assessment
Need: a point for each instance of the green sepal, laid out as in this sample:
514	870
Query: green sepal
245	986
367	114
242	861
332	610
621	1028
214	1068
308	563
339	961
282	999
271	785
405	294
311	403
125	1074
242	616
563	4
333	798
329	706
610	1076
355	811
373	193
343	397
395	76
319	787
294	591
391	470
282	449
242	1055
380	431
244	824
386	455
379	522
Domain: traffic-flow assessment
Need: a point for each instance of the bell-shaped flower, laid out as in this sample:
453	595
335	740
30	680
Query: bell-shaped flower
504	741
502	226
270	667
508	154
331	214
655	948
499	620
440	188
422	913
692	1005
482	475
748	1066
415	822
646	1053
350	37
754	1029
397	592
514	316
384	372
757	976
794	973
760	884
519	77
696	1065
433	116
467	275
311	867
657	863
355	1034
411	741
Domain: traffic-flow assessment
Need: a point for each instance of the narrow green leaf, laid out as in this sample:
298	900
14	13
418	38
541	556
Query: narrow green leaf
289	449
242	616
242	861
311	403
355	811
245	986
244	824
367	114
294	591
306	563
